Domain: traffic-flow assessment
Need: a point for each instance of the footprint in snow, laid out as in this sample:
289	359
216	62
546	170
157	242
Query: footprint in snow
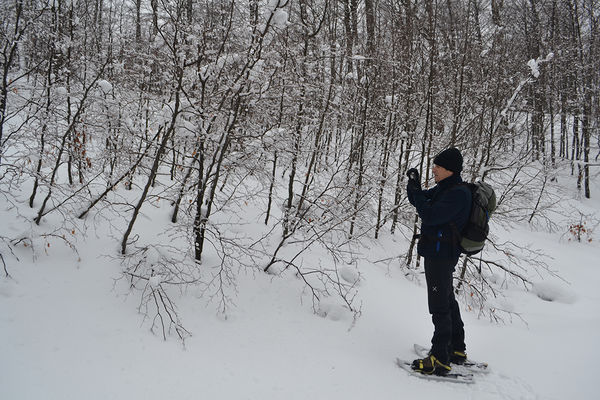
552	292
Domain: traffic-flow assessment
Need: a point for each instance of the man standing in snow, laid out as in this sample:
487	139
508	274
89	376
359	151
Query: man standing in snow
444	211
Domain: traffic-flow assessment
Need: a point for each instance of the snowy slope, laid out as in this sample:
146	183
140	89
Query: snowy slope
69	330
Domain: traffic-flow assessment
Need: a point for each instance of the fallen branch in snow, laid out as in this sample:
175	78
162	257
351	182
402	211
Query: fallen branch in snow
483	278
8	245
154	293
328	279
156	268
499	265
4	263
162	300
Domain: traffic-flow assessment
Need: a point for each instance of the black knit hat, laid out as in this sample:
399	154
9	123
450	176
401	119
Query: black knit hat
451	159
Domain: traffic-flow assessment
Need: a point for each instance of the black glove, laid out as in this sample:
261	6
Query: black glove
414	182
413	186
413	174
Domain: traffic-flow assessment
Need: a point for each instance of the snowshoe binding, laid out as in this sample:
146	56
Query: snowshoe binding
458	357
430	365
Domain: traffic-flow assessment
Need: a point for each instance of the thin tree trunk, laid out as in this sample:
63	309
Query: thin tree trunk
43	131
198	153
361	161
161	150
217	162
271	186
153	171
586	128
125	175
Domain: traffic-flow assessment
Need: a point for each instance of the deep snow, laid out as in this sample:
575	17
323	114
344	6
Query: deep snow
69	330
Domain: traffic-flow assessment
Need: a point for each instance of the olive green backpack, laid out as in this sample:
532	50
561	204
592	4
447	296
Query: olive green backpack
473	236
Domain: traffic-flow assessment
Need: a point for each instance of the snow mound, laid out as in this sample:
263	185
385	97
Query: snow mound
105	86
280	18
535	68
333	311
350	275
552	292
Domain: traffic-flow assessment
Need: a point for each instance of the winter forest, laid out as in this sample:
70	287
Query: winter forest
297	118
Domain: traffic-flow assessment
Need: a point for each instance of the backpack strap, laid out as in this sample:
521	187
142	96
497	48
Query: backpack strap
456	235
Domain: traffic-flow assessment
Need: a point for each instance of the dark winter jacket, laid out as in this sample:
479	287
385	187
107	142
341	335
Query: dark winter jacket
445	204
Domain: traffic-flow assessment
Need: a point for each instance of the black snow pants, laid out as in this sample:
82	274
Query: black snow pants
449	334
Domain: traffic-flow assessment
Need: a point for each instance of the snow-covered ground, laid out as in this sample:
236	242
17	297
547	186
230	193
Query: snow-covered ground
68	330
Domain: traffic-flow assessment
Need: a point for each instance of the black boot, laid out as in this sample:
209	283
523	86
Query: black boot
430	366
458	357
